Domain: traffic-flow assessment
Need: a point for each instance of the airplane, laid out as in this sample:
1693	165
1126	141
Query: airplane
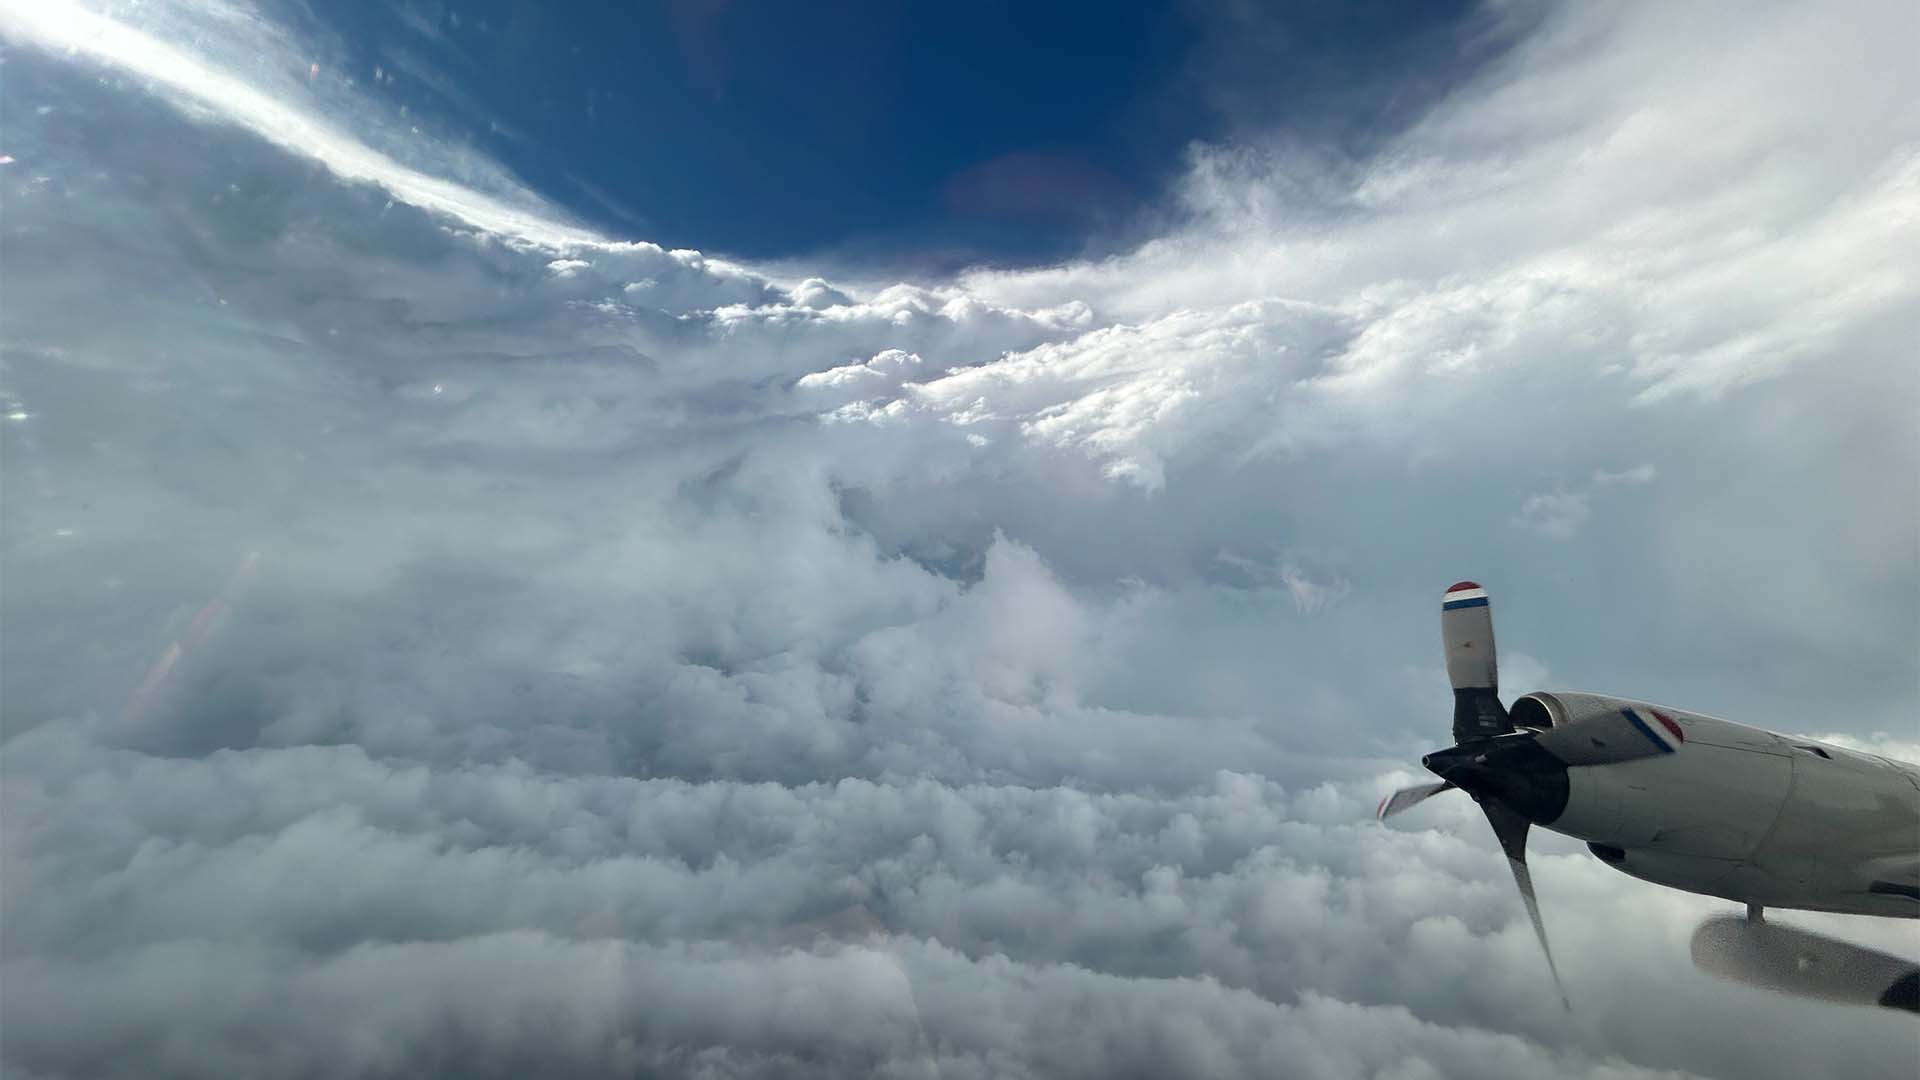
1690	802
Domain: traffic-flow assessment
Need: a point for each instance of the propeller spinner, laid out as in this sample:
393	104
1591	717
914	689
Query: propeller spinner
1513	779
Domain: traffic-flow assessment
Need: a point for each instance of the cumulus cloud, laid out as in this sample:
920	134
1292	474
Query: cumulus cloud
913	1010
884	371
1126	396
439	642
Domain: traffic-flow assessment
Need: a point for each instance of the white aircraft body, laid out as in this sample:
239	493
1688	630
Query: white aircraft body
1691	802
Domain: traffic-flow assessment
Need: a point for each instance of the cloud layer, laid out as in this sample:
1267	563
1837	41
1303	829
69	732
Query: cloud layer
443	641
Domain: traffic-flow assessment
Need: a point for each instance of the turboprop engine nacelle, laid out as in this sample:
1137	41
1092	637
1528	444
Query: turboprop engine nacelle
1661	766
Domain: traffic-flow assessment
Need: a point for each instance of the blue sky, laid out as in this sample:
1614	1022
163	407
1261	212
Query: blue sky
642	589
1002	132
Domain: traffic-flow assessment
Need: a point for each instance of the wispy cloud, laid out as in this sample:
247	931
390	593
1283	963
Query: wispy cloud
1560	514
174	69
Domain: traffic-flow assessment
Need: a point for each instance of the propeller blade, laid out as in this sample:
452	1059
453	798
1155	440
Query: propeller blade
1408	797
1511	829
1466	631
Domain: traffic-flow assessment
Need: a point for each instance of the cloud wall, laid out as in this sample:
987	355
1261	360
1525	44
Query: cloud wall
440	640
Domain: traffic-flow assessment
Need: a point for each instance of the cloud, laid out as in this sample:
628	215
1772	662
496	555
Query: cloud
1312	590
70	28
884	371
1638	476
1560	514
1557	514
584	656
471	1007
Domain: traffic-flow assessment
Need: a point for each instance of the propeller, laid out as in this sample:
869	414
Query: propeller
1508	773
1409	797
1511	829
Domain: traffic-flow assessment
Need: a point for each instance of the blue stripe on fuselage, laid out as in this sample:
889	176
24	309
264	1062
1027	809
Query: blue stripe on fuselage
1450	605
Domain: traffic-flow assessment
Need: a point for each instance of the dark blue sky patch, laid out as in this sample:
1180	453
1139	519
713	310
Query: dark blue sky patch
995	132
